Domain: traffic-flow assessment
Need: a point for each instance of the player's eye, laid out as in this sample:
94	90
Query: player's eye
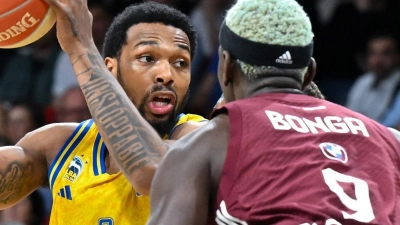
181	63
145	58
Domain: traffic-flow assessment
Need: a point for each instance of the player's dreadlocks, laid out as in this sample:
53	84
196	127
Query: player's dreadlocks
313	90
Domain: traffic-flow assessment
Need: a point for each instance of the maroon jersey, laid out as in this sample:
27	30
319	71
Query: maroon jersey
295	159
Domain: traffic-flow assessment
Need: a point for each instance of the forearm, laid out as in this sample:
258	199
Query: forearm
133	143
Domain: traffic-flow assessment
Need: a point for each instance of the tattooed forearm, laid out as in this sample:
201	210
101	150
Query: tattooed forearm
12	181
130	137
77	60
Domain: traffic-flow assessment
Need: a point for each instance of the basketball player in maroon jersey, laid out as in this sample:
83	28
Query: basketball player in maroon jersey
273	155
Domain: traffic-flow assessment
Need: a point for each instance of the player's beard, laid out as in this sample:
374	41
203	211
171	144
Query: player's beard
162	126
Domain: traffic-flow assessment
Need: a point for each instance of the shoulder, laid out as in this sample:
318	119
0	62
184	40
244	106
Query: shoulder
186	128
52	132
205	137
48	140
186	124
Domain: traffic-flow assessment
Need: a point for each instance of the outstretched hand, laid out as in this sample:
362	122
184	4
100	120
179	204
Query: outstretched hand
74	24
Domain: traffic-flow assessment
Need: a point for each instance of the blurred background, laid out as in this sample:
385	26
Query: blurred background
356	47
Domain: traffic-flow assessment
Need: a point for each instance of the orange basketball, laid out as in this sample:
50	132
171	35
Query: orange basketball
24	21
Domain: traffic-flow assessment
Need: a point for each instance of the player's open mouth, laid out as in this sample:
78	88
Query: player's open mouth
162	102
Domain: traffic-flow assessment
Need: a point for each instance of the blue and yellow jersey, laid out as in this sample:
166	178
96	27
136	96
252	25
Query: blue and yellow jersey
84	193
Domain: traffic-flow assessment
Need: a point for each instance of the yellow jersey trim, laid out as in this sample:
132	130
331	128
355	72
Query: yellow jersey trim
67	149
99	151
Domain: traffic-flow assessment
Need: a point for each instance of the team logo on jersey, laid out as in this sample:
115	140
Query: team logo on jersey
74	169
334	151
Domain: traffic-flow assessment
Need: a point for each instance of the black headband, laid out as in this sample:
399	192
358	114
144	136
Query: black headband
259	54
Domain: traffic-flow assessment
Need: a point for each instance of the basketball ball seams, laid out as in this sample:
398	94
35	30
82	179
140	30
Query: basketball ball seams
8	12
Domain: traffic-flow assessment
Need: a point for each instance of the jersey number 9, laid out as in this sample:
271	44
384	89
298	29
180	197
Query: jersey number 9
361	204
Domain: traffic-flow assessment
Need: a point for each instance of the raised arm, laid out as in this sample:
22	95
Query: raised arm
131	141
23	167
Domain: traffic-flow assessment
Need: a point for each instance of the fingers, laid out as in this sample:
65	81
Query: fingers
57	6
60	5
64	7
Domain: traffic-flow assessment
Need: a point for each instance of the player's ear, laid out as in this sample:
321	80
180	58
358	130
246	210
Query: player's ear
310	74
228	68
112	65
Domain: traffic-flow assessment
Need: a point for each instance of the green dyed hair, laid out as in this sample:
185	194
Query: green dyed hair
275	22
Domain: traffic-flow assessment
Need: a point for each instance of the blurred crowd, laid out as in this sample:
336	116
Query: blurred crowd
356	49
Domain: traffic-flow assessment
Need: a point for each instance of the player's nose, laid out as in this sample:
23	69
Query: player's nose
164	74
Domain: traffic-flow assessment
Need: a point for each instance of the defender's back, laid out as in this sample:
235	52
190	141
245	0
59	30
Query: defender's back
295	159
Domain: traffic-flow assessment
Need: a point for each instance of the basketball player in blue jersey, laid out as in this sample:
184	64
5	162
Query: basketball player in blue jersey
148	51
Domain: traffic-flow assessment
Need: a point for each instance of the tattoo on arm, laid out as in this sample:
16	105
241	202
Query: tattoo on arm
12	181
131	138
